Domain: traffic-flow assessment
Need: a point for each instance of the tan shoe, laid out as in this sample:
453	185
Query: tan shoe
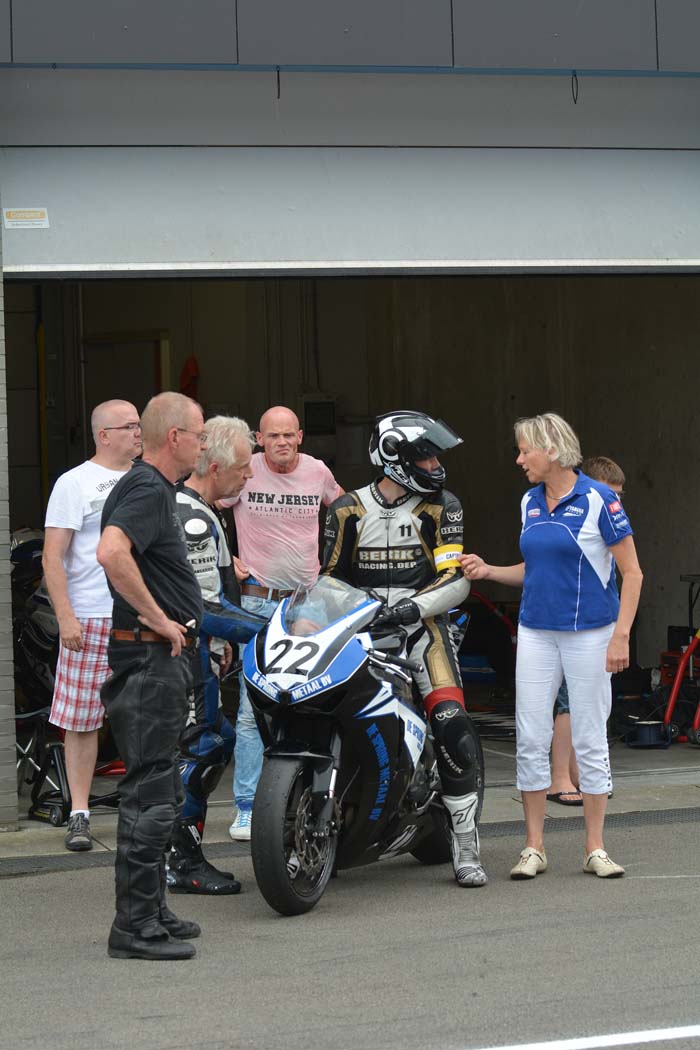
599	863
531	863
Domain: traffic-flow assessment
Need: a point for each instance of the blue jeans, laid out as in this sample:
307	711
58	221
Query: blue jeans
247	756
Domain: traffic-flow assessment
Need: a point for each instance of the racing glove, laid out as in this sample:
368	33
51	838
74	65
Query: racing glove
403	613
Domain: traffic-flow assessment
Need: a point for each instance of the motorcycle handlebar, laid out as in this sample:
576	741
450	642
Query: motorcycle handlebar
399	661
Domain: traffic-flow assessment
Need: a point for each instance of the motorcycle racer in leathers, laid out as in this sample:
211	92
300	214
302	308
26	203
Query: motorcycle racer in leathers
207	743
400	537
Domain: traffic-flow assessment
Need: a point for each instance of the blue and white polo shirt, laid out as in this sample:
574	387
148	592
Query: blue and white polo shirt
569	568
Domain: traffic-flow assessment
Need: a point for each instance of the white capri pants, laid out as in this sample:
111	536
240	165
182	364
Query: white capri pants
544	657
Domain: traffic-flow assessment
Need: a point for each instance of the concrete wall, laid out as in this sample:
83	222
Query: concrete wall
107	107
8	782
646	35
614	355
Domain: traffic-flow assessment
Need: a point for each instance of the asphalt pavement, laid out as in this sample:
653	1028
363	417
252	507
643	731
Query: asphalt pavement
395	955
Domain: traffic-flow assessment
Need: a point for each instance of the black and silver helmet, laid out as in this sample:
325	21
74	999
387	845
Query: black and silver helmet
400	439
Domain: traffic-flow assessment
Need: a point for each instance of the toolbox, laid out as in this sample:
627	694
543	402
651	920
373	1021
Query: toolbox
669	662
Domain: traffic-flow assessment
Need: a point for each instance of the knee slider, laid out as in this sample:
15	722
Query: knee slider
200	779
455	739
204	755
447	721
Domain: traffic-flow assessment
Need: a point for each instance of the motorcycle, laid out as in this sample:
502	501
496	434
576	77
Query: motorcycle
349	773
34	626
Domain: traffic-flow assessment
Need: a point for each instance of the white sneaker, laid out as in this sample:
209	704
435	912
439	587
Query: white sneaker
240	829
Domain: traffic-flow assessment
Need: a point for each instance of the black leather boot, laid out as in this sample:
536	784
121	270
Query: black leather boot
188	870
124	944
181	929
142	836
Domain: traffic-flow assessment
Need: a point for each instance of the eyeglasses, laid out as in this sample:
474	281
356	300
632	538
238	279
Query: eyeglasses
200	435
126	426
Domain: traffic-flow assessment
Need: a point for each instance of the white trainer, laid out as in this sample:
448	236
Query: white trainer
240	829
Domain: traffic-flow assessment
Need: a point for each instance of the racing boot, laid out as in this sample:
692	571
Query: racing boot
189	871
179	929
465	839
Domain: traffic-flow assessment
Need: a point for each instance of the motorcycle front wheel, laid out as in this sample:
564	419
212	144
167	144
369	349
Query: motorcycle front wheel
291	867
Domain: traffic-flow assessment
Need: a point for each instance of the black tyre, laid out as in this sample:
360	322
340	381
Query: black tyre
436	848
292	869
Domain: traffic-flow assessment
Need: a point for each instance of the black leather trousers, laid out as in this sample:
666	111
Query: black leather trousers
145	699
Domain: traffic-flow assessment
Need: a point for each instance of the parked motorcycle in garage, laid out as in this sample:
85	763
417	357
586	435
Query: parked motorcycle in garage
36	641
34	625
349	775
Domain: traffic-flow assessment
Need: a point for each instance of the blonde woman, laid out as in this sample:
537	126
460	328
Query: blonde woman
573	623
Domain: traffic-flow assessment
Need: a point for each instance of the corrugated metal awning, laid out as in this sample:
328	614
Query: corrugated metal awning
257	211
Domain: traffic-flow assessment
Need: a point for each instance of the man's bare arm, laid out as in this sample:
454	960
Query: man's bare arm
56	544
114	553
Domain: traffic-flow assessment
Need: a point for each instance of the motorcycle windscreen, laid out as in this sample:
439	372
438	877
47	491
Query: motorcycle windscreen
311	610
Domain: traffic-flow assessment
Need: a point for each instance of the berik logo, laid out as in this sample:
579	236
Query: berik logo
455	515
196	547
385	513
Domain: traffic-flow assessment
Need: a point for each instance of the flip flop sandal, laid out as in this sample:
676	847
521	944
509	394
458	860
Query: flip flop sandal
563	800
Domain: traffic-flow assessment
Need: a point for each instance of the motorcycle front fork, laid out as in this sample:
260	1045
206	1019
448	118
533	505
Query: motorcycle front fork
322	822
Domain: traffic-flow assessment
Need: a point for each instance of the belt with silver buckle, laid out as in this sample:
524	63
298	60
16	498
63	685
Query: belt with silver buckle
271	594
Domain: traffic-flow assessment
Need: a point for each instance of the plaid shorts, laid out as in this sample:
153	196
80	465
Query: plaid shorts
79	678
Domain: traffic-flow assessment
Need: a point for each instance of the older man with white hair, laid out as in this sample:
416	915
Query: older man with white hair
207	744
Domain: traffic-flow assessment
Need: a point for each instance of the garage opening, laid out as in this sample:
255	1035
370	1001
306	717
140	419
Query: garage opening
615	355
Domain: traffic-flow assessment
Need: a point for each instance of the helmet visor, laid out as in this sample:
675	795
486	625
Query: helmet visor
437	438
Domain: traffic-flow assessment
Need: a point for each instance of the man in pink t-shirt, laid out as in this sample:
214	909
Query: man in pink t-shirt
277	518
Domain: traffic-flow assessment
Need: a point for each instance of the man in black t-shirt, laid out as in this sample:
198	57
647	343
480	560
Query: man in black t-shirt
155	623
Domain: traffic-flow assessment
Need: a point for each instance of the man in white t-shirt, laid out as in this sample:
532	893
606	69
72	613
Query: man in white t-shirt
277	519
81	599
